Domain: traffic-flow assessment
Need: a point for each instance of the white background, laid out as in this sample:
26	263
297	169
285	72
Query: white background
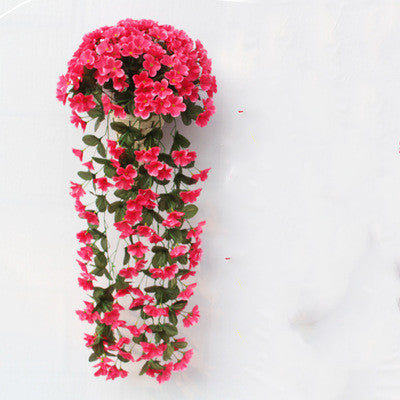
303	196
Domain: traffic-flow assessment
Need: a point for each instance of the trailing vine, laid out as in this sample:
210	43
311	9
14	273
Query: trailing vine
140	248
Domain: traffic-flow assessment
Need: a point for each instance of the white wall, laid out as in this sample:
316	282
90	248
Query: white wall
303	197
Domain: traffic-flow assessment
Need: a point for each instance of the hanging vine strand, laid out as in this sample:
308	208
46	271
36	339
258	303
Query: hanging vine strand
140	248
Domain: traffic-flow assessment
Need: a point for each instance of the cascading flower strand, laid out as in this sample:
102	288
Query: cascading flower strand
140	249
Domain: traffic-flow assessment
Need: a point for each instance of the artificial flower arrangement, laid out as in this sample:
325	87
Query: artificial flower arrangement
140	248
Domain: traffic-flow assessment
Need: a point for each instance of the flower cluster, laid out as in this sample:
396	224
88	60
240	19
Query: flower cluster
142	68
139	247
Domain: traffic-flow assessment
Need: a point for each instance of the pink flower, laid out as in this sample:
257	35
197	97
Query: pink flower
102	183
142	79
209	109
113	149
78	153
141	298
82	103
104	47
143	106
167	272
120	83
190	196
161	89
136	331
155	311
76	190
154	167
187	293
174	77
184	361
88	314
202	175
133	216
161	106
125	228
84	237
178	251
85	284
86	253
183	157
79	207
87	58
155	238
176	105
112	318
144	230
151	64
128	272
173	219
164	172
125	177
103	367
89	164
106	103
192	317
165	374
90	217
137	249
78	121
195	232
147	156
119	112
151	350
90	339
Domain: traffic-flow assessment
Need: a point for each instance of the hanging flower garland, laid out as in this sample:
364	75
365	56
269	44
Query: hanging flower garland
139	248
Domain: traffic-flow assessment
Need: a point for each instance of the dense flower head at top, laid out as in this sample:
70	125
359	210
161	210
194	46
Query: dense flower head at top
142	68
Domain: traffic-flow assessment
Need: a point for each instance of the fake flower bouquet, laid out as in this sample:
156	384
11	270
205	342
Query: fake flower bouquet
139	248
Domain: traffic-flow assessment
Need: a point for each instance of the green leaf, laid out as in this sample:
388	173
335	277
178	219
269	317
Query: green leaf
145	367
126	256
167	118
101	203
113	207
157	249
92	357
185	179
181	141
98	122
178	305
96	112
119	127
169	329
98	349
179	345
104	244
100	260
168	352
101	160
109	171
123	194
96	233
120	283
159	259
86	175
90	140
167	159
190	210
172	317
156	216
119	214
101	149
